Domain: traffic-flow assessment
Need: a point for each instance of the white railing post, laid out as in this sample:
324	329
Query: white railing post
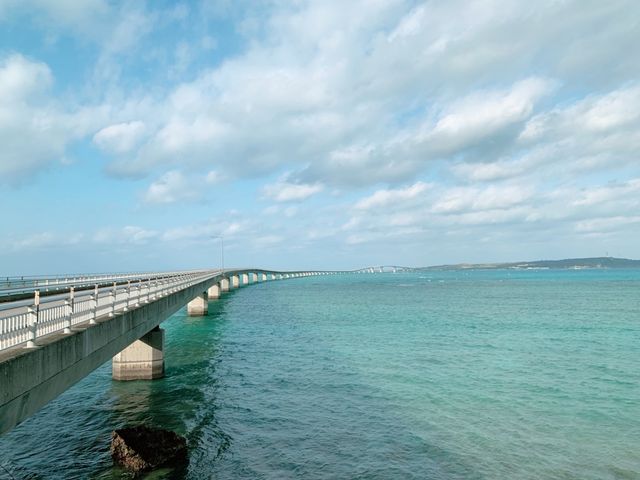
93	321
128	299
139	292
70	304
34	310
113	293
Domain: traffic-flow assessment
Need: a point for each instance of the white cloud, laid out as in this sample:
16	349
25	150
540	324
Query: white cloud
130	234
594	115
478	117
607	224
172	187
463	199
384	198
410	25
460	89
43	240
328	98
486	172
267	241
34	130
21	78
230	227
84	17
283	191
213	177
120	138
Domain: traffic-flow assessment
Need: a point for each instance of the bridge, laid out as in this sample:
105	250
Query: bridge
387	269
56	330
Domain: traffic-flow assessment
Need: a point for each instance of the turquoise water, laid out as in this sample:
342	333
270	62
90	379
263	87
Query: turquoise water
443	375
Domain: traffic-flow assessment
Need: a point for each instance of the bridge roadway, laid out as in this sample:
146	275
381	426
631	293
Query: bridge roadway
55	331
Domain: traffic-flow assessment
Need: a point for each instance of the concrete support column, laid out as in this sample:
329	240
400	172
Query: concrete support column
264	277
142	360
198	306
245	279
254	277
224	285
235	281
214	292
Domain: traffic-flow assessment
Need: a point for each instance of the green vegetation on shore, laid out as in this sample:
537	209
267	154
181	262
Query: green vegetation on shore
568	263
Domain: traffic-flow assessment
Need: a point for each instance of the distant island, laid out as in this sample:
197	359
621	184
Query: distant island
566	264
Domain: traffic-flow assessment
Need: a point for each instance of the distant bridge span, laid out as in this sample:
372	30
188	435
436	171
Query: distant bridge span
386	269
55	331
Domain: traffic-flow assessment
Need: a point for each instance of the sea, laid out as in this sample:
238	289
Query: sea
484	375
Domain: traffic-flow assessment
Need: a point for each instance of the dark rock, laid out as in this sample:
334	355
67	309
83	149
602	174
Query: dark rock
140	449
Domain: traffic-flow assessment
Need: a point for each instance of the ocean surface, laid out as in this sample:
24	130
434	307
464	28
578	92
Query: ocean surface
441	375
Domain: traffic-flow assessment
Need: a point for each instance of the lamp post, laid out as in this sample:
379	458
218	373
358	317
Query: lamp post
221	250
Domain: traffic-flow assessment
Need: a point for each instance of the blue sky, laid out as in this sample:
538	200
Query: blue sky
316	134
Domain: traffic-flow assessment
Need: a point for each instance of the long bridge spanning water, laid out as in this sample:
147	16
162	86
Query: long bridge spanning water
55	331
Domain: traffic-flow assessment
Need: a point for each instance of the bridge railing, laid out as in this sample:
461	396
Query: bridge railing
46	315
86	299
11	286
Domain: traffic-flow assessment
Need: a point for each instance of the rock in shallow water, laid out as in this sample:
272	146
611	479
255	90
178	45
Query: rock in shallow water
140	449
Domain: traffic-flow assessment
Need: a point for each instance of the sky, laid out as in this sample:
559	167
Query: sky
329	134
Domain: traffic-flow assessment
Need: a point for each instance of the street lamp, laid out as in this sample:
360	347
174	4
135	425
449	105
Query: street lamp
221	249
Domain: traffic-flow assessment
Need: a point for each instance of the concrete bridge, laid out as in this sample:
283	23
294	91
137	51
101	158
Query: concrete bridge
55	331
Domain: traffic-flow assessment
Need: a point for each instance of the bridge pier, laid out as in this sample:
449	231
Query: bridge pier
245	279
263	277
142	360
198	306
235	281
214	291
224	285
